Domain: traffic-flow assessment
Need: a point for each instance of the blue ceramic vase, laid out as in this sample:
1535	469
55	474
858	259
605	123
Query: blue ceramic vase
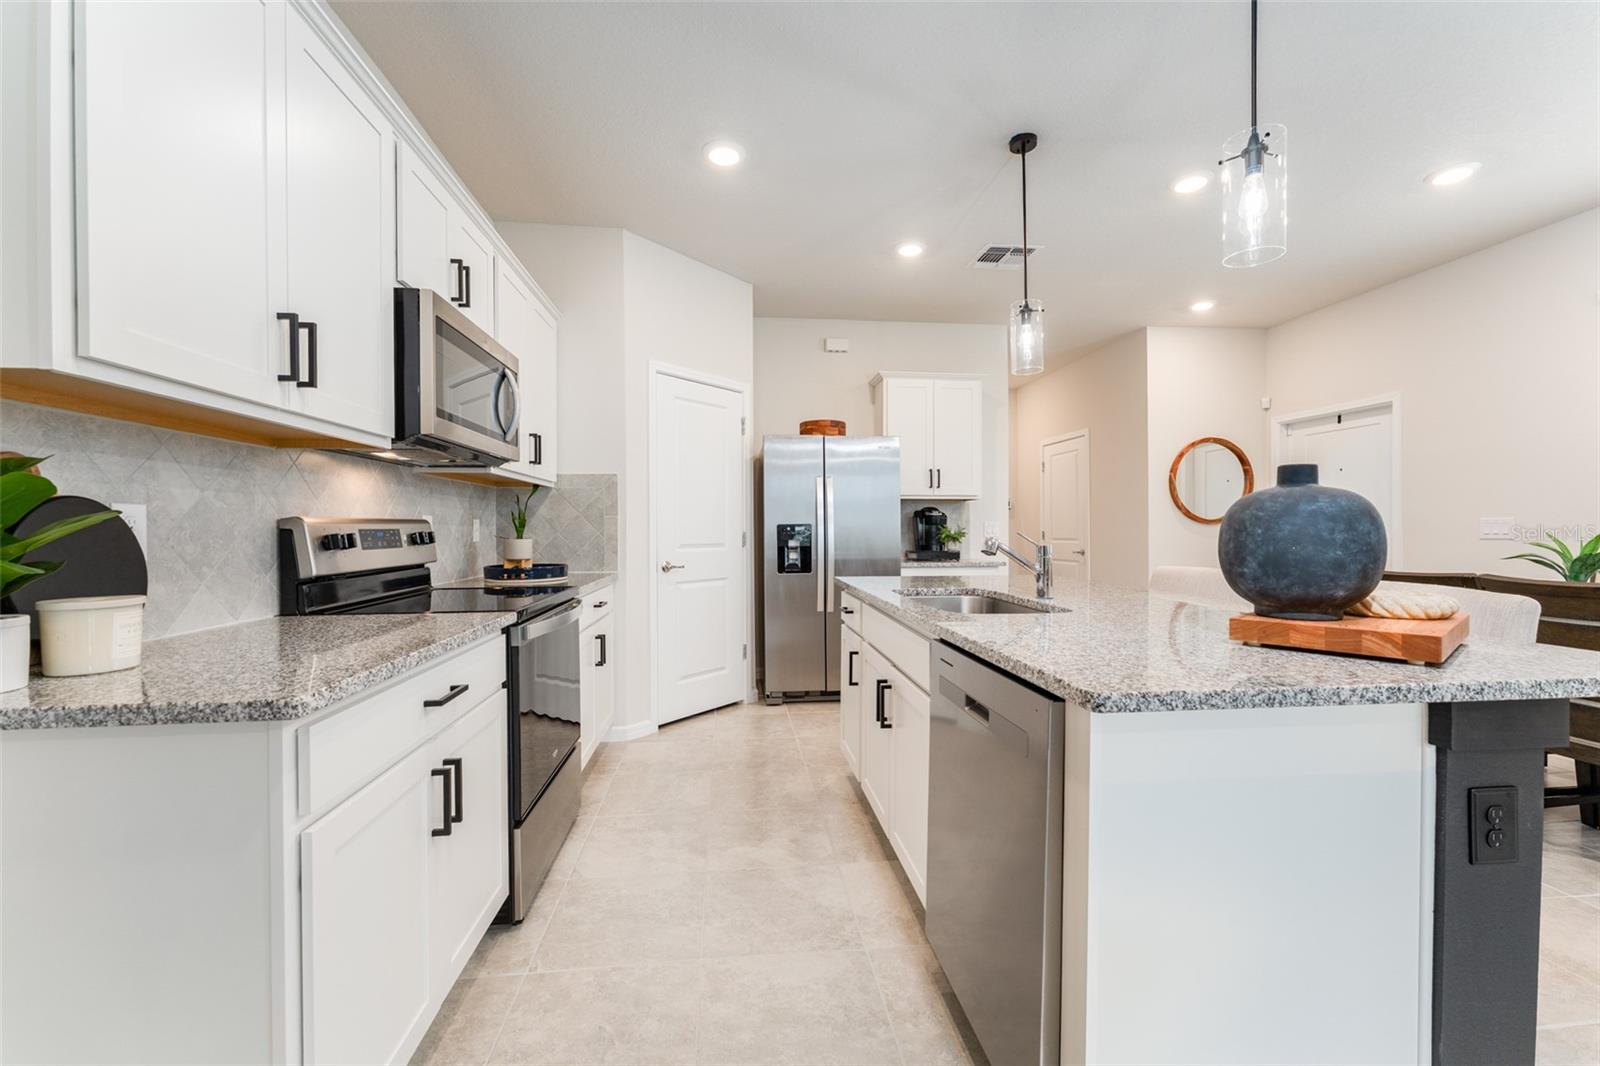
1300	549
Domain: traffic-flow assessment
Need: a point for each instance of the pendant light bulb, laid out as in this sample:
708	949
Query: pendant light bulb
1255	185
1026	332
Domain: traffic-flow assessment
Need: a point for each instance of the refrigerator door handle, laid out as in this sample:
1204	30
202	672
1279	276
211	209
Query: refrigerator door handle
822	551
827	545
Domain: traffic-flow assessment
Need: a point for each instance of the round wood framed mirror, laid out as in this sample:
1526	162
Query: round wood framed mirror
1207	475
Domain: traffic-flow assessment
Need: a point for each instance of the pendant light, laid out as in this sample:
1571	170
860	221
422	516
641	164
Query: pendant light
1255	185
1027	316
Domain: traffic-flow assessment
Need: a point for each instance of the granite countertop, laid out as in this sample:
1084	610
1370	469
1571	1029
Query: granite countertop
1116	650
269	670
935	564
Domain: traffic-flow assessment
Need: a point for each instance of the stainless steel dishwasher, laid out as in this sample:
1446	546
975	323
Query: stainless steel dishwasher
994	853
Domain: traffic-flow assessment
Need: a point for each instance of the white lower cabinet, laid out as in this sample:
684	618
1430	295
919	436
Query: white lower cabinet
597	676
888	714
851	697
364	919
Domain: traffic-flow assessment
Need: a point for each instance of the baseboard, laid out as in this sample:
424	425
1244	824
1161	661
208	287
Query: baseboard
633	731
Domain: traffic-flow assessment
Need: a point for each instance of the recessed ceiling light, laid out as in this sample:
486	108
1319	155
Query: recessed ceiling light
1452	175
909	249
1190	183
724	154
1202	305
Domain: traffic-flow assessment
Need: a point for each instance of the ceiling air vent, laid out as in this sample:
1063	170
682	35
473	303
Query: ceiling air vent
1003	257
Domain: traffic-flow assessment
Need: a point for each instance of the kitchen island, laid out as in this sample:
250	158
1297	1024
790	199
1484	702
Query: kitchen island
1263	855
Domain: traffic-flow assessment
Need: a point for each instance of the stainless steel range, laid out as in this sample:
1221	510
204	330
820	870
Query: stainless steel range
380	566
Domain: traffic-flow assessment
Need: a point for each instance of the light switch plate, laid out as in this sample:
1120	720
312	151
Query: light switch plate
134	515
1497	529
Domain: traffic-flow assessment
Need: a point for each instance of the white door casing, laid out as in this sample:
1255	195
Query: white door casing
1064	504
1355	446
698	509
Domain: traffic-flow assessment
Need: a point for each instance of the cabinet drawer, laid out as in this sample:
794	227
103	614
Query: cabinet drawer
907	650
850	611
345	750
596	605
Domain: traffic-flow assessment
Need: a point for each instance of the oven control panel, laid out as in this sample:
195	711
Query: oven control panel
321	547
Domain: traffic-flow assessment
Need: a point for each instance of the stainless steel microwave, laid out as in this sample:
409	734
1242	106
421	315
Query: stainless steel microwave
457	401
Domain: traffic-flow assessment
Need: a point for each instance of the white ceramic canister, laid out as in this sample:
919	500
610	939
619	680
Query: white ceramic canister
90	634
15	634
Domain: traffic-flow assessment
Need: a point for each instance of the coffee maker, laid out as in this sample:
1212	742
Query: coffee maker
927	523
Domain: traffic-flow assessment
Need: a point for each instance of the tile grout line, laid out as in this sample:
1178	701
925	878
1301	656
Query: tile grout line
883	1000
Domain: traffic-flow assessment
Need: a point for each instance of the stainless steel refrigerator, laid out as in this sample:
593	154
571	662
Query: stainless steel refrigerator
830	508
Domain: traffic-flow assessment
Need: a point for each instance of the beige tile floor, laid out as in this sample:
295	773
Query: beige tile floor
726	897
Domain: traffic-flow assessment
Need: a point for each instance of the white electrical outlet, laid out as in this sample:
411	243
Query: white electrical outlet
477	530
134	515
1497	529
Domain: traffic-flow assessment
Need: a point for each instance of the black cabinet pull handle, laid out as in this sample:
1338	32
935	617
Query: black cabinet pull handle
442	772
599	604
294	346
466	288
311	356
605	653
850	670
455	766
930	477
878	697
455	690
847	610
538	448
461	284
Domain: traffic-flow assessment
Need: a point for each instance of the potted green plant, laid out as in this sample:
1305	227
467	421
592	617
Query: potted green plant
1573	564
951	537
22	489
516	551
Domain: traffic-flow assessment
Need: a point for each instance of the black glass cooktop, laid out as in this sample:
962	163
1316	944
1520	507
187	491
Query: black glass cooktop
512	598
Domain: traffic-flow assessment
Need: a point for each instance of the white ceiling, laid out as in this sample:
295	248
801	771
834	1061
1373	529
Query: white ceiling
870	123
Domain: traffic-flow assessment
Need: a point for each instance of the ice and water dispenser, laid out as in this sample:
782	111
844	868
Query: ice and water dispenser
794	549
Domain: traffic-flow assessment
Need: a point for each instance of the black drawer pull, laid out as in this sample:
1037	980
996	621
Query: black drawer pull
442	772
455	690
598	604
883	716
294	346
311	356
850	668
847	610
605	656
455	766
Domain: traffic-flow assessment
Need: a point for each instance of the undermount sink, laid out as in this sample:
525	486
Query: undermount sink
976	605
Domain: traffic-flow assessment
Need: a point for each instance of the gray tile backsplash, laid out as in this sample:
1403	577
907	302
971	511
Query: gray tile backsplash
956	513
213	506
574	523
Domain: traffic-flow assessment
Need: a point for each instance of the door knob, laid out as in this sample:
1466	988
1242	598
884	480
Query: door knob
1079	551
667	568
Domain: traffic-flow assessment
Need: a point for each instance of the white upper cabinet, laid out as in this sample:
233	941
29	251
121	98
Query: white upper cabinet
940	425
422	238
178	108
472	276
525	326
339	190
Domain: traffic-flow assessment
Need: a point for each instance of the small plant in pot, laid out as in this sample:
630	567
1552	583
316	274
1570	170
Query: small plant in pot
516	551
22	489
1578	565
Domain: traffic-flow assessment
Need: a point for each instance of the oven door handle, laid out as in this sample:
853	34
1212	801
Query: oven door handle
540	627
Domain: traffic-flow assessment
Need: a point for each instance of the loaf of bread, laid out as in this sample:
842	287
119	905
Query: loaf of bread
1405	603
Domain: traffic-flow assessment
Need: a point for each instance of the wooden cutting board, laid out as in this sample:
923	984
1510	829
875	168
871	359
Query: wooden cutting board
1409	640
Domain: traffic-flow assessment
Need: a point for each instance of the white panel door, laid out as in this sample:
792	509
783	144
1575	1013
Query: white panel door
957	438
471	285
910	716
364	918
422	239
468	868
177	104
1064	505
339	193
850	696
699	504
908	414
1353	450
877	759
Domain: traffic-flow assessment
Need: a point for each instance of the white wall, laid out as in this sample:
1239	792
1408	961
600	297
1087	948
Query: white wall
1202	383
626	302
797	380
1105	393
1496	359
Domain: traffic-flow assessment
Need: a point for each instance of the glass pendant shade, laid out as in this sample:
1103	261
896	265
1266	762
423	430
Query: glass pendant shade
1027	337
1255	197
